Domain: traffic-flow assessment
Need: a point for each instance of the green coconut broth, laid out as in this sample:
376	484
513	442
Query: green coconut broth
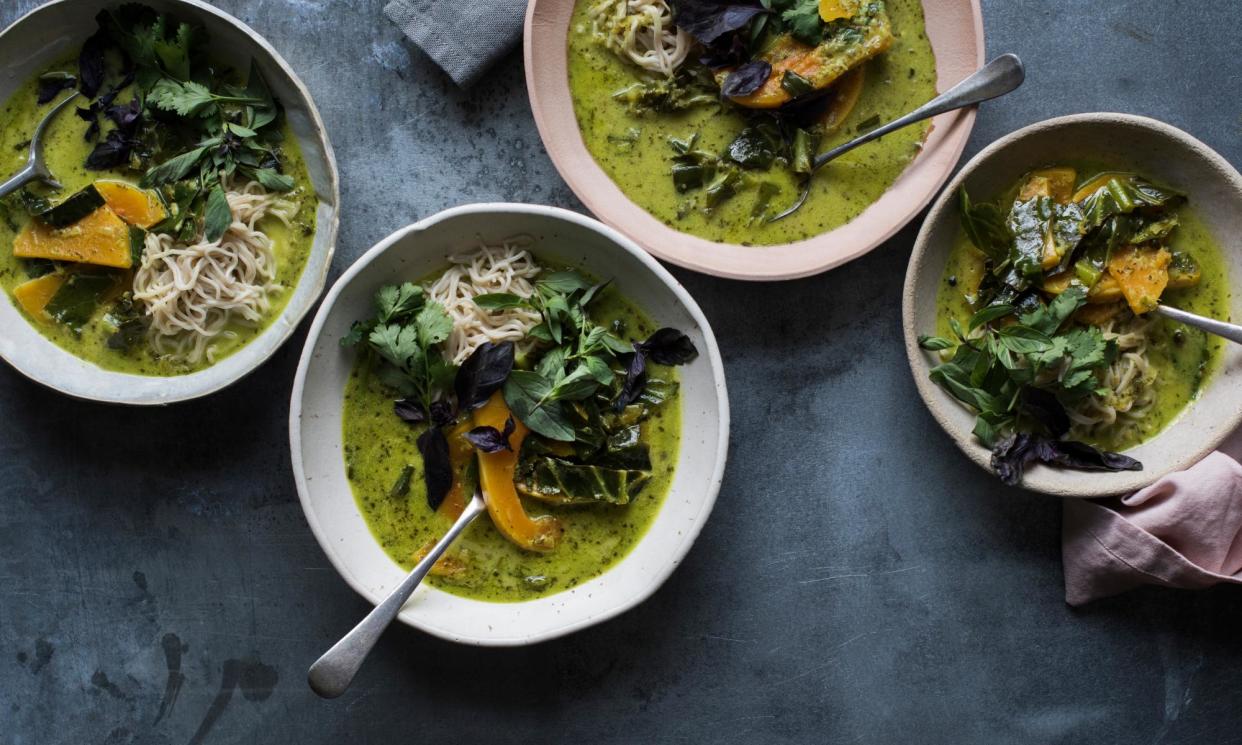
634	149
378	446
65	151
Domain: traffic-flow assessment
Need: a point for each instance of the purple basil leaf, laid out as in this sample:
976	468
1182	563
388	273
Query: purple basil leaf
635	378
482	374
1014	453
410	411
669	347
111	153
441	413
91	64
708	20
437	469
491	440
1044	408
50	87
746	79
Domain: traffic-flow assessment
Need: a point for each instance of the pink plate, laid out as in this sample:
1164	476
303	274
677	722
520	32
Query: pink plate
955	29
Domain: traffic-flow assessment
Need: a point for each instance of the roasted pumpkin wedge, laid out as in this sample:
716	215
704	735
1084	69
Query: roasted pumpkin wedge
449	565
133	205
101	238
1142	274
1057	183
496	472
461	456
34	295
844	97
864	36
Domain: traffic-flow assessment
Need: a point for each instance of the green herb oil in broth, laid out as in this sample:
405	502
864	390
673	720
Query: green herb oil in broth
1182	364
634	149
378	446
66	150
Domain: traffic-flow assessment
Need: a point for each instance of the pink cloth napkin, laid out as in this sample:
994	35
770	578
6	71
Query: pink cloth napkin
1184	531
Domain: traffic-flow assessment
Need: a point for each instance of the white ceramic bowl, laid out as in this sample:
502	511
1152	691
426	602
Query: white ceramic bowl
1161	152
53	30
315	423
955	30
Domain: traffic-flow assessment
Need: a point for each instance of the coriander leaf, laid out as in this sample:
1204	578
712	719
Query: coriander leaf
187	99
398	344
397	301
804	22
434	324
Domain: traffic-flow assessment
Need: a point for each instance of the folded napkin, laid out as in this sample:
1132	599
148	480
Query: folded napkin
463	38
1183	531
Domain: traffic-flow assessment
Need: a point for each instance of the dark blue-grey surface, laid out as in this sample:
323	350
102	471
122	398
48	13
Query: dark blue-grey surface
859	582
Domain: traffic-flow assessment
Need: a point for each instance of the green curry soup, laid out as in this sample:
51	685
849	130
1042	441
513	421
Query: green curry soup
634	148
1182	357
66	151
379	446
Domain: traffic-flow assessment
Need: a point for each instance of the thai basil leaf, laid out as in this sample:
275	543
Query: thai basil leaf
437	468
1014	453
746	79
707	20
528	397
51	84
483	373
218	217
490	439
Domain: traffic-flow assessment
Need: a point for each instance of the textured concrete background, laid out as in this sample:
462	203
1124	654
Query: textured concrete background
860	581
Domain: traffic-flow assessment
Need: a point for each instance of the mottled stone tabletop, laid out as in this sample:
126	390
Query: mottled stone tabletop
860	581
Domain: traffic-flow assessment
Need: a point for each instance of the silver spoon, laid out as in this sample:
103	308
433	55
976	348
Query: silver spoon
1226	330
35	169
996	78
331	674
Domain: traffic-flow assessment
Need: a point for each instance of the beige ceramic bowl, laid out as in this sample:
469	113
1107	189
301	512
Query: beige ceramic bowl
955	29
53	30
1168	156
315	413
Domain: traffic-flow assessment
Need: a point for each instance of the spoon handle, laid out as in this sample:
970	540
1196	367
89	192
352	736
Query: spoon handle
996	78
335	670
1229	331
35	168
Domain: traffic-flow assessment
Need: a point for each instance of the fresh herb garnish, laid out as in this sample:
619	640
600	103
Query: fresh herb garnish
490	439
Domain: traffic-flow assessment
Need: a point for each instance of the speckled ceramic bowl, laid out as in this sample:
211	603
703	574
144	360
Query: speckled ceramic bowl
53	30
318	393
955	29
1168	156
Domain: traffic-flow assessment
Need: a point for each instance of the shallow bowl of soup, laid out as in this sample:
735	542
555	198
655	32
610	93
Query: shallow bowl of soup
1030	304
688	129
537	354
198	203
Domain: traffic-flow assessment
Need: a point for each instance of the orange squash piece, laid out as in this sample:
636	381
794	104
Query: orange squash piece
1142	274
133	205
834	10
447	565
101	238
1057	183
1096	184
496	477
35	294
460	453
845	94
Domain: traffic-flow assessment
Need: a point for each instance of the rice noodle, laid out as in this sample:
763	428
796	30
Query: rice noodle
504	267
642	32
1130	381
195	294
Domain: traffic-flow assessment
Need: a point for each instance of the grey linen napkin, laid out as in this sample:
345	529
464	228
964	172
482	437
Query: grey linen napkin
463	37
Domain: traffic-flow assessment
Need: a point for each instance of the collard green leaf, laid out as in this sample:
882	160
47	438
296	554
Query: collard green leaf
75	303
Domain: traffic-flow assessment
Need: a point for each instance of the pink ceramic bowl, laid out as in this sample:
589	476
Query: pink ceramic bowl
955	29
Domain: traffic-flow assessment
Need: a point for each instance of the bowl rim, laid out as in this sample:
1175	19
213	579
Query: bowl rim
711	353
214	384
933	398
803	258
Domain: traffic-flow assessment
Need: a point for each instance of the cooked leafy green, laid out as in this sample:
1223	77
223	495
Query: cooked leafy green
75	302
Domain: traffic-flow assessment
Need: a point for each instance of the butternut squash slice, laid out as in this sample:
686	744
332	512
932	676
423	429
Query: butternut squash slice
845	95
448	565
821	65
835	10
1057	183
460	454
101	238
496	477
34	295
1142	274
133	205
